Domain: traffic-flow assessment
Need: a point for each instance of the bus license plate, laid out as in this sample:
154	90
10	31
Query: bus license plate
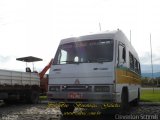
74	95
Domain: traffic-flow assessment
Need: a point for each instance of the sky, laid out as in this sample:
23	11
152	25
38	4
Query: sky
35	27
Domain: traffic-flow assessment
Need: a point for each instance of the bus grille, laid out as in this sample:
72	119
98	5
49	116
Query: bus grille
79	88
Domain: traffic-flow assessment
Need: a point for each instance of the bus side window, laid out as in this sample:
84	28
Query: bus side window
139	68
122	54
131	61
135	65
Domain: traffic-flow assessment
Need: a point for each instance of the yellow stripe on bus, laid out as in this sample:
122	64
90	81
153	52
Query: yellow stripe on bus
125	76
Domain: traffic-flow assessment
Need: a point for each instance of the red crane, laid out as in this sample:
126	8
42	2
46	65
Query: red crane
42	73
44	79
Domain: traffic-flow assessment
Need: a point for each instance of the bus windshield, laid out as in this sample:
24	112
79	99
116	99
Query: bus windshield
85	52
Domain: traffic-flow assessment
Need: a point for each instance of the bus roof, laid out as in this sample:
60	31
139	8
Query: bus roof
92	36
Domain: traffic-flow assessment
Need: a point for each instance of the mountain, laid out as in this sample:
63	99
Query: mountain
146	70
157	74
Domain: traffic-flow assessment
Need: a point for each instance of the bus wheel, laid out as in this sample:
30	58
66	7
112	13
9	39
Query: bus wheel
124	101
70	108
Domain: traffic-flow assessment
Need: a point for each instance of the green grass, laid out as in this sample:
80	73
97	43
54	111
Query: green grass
43	97
150	96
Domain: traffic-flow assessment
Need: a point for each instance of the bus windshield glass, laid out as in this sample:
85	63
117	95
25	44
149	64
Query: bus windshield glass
85	52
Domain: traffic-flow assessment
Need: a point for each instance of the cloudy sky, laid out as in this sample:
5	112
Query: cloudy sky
35	27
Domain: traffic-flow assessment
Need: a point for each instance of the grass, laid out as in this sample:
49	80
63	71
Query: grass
150	96
43	97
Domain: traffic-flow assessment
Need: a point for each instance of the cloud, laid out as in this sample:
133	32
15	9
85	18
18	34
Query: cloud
145	61
146	58
5	59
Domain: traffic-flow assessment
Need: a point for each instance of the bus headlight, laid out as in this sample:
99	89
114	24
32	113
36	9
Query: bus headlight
54	88
101	89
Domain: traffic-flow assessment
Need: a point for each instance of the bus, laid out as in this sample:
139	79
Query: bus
97	68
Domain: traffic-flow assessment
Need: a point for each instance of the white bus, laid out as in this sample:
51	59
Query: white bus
97	68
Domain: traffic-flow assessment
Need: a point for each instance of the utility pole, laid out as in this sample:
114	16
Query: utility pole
130	36
151	62
99	26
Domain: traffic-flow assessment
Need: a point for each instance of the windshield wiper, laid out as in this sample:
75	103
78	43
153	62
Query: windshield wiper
72	62
99	60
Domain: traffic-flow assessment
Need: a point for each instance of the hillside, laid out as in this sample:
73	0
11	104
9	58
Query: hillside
157	74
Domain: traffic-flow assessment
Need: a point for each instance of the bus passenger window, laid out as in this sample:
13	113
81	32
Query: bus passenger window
122	54
139	68
131	61
136	65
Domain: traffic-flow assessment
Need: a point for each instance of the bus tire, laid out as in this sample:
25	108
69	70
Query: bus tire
70	108
124	101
